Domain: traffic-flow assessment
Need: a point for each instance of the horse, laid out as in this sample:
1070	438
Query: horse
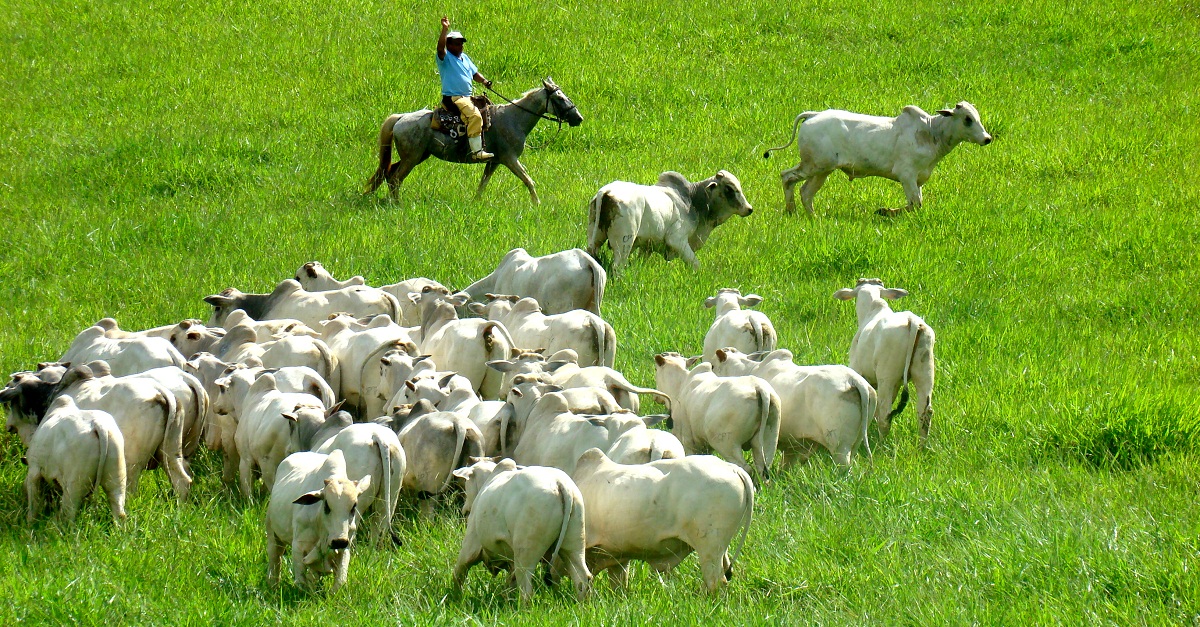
415	140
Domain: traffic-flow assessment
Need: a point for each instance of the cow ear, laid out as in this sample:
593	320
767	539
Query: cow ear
692	361
711	186
193	335
446	379
336	406
750	300
217	300
722	355
654	419
459	299
515	392
844	294
410	385
291	416
945	112
463	473
477	308
892	293
660	360
501	365
415	297
310	498
710	302
364	484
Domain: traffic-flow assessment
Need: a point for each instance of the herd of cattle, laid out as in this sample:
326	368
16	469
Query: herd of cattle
344	398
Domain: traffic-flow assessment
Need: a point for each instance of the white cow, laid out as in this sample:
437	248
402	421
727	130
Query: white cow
314	509
358	350
313	277
124	356
587	334
395	368
191	336
662	511
889	350
518	517
410	314
904	148
725	414
561	282
111	330
567	374
435	445
673	216
370	450
79	450
267	330
746	330
289	300
240	345
462	346
829	405
263	419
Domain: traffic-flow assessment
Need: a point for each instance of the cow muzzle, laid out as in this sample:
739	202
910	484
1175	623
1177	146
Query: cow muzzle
987	139
339	544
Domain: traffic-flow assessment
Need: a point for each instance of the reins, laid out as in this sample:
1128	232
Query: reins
540	115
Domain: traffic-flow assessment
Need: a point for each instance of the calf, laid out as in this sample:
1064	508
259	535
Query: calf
587	334
662	511
313	508
561	282
518	517
725	414
904	148
828	405
889	350
79	450
673	216
745	330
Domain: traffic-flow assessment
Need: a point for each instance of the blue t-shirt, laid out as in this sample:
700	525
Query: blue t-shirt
457	73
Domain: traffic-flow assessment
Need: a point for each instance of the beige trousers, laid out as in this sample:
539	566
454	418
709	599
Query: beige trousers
470	115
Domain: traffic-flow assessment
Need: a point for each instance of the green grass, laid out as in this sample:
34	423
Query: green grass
157	152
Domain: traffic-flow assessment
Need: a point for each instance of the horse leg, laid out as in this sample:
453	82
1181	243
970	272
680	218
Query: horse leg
399	170
519	171
488	170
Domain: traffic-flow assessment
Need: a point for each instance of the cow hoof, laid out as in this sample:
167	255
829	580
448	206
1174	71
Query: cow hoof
887	213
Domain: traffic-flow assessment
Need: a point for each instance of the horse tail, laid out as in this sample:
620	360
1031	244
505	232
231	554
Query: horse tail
385	154
795	126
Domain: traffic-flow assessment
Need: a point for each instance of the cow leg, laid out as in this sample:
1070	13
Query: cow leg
34	494
133	475
116	498
274	558
246	476
488	170
524	564
180	481
886	396
299	570
679	243
519	170
809	190
789	178
470	555
912	191
712	567
73	494
732	453
621	237
921	374
229	465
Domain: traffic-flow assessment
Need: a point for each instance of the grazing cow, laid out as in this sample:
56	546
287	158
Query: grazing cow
889	350
314	509
370	450
462	346
191	398
150	420
267	330
124	356
567	374
518	517
28	396
673	216
436	443
291	301
725	414
79	450
746	330
313	277
263	416
904	148
587	334
561	282
829	405
662	511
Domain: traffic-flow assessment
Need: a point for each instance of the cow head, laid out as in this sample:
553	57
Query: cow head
730	299
337	519
305	422
481	471
869	295
965	124
725	197
28	396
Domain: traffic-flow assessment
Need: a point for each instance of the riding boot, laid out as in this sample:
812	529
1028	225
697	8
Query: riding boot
477	153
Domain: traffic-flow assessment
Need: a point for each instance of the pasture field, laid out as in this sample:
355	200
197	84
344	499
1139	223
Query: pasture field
157	151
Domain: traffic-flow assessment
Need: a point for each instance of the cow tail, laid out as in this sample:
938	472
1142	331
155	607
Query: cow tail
460	435
747	516
372	361
105	439
385	154
914	332
385	461
599	336
795	126
176	418
867	402
759	335
568	505
201	404
393	306
599	278
329	366
768	430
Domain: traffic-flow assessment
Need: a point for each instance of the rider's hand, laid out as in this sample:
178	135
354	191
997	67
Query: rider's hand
445	22
487	83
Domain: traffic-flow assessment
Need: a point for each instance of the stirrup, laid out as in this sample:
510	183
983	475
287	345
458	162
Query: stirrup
482	155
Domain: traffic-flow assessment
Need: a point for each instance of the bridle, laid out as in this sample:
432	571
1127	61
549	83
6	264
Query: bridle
557	117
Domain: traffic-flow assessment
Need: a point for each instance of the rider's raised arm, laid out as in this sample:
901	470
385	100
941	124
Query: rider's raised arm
441	47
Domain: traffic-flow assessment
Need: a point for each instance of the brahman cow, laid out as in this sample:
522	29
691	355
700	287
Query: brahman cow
746	330
80	450
723	414
463	346
267	330
357	352
673	216
904	148
435	445
518	517
124	356
662	511
291	301
889	350
313	277
563	370
587	334
314	510
827	405
561	282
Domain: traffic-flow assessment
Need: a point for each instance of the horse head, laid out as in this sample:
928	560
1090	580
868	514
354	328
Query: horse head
559	105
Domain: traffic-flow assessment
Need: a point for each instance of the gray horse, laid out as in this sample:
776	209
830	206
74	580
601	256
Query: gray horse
415	139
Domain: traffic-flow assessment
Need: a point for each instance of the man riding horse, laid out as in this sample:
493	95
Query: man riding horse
457	71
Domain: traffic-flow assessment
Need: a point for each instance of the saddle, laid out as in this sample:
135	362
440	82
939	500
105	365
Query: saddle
447	119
